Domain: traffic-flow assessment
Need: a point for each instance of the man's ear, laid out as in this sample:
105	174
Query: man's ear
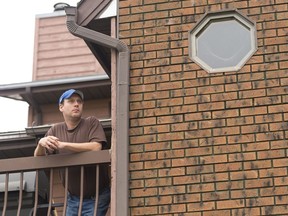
61	107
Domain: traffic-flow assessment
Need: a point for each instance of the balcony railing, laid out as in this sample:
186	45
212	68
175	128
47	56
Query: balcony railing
51	163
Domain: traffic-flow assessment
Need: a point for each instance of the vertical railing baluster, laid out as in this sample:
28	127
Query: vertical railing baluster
96	190
50	191
81	191
6	194
66	191
36	193
20	194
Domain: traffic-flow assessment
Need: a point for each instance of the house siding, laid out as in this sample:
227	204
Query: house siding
205	144
99	108
59	54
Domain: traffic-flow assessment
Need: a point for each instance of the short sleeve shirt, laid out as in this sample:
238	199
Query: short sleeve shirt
88	130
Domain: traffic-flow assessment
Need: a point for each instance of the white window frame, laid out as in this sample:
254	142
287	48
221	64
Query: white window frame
218	16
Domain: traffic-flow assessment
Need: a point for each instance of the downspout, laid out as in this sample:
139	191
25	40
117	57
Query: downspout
122	110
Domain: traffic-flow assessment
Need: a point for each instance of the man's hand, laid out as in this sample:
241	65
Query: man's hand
50	143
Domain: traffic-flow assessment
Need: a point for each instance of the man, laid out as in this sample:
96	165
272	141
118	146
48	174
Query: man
78	134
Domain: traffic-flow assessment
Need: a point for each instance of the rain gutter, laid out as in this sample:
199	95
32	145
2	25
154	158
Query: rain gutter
120	153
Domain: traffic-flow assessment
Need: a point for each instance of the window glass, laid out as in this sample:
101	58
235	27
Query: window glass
223	44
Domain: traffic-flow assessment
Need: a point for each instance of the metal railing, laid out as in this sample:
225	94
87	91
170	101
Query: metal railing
51	162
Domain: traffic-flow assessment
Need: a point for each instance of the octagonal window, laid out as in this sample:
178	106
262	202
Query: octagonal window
222	41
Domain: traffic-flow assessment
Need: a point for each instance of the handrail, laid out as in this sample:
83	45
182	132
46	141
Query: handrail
54	161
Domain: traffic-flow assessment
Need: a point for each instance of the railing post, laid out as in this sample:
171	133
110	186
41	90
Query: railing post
36	193
20	194
6	194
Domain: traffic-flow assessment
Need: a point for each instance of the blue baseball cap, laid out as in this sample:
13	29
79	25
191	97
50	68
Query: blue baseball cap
67	94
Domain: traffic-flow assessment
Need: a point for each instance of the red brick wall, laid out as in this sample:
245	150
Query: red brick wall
206	144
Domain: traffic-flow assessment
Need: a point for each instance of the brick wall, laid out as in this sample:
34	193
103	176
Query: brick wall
206	144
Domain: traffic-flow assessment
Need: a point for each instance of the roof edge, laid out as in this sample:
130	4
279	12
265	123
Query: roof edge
52	82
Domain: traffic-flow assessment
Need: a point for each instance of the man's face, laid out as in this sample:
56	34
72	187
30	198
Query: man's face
72	107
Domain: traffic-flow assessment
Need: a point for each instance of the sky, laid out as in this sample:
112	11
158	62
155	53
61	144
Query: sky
14	113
